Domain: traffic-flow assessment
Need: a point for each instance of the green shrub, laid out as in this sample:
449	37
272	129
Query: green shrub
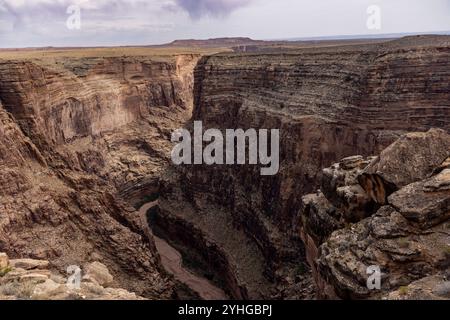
447	250
403	291
21	291
5	271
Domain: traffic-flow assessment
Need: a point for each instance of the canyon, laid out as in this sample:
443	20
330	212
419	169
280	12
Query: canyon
85	143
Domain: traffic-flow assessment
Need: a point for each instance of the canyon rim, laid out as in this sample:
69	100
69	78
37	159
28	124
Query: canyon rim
308	169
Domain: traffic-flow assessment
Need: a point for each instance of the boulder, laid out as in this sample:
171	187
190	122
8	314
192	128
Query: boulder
318	217
410	159
340	186
4	261
48	289
29	264
436	287
33	277
98	273
426	203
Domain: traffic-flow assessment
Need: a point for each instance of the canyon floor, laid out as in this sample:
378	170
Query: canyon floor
87	180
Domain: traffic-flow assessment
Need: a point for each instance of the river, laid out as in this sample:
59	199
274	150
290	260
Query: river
172	261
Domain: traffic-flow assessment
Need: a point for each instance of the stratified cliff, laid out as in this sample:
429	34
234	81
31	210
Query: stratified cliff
74	132
83	139
391	212
329	103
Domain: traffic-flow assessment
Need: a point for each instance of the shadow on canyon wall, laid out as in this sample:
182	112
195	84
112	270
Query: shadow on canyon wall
85	139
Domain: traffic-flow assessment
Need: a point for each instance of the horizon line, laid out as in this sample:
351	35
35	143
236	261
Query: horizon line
349	37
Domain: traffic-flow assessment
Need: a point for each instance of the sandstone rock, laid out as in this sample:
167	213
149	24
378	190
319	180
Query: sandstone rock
342	173
443	166
98	273
389	224
76	132
442	289
434	287
22	275
386	240
41	285
406	238
340	186
439	182
29	264
318	218
412	158
33	277
47	290
427	208
4	261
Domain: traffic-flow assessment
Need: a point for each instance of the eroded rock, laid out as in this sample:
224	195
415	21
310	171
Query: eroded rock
407	238
4	261
98	273
43	284
73	133
424	205
29	264
412	158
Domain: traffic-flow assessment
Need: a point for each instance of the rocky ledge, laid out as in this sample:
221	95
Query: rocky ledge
76	134
391	211
24	279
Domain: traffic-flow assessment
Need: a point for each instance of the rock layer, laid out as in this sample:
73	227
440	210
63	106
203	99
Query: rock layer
79	136
29	279
74	131
407	237
329	103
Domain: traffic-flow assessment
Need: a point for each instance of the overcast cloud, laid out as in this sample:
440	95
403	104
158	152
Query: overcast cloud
25	23
198	8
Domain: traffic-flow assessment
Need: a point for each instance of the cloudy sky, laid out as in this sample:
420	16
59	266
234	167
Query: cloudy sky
25	23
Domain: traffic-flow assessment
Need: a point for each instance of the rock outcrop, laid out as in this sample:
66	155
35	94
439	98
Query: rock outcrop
85	141
410	159
74	134
407	237
329	103
30	279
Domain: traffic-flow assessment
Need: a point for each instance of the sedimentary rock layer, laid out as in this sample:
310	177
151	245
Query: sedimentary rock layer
81	135
405	236
74	134
329	103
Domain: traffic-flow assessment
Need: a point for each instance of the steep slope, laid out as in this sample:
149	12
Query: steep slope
74	131
328	103
82	139
404	233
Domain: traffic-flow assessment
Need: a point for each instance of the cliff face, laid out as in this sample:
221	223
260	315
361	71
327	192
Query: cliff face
329	103
67	99
404	232
73	133
82	139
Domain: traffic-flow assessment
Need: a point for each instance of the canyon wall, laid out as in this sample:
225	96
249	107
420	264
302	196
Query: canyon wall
388	213
75	133
67	99
83	139
329	103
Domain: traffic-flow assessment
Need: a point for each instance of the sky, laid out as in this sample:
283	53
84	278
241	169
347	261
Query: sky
40	23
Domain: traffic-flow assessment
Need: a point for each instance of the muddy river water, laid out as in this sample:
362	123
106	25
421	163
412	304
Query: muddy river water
172	261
